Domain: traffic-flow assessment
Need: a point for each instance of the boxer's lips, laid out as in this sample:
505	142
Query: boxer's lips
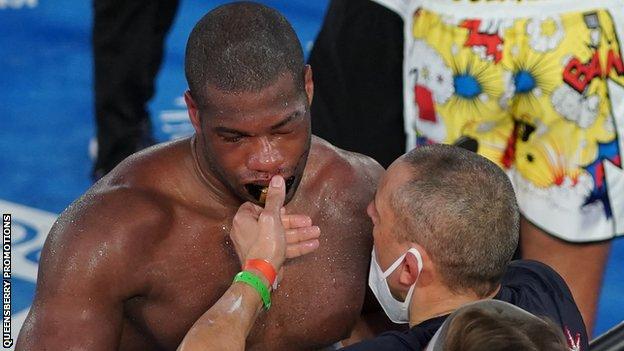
255	189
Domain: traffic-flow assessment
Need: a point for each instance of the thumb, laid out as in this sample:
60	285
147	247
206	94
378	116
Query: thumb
275	195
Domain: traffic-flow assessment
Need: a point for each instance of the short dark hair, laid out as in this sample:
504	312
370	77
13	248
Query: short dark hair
241	47
462	209
478	329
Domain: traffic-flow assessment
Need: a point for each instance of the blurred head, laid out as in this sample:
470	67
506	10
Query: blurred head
497	326
457	208
249	97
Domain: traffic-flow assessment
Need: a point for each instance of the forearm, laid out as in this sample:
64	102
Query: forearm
227	323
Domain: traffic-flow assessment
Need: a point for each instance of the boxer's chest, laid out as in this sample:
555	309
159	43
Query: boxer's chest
320	296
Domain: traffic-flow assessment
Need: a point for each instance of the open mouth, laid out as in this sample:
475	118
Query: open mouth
259	191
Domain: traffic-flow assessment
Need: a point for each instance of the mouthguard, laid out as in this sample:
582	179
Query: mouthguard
263	194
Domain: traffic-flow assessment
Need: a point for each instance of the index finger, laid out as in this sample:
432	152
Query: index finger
292	221
276	193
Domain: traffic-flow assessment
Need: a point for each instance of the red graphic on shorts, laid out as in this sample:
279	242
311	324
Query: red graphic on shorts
574	343
509	156
578	75
492	42
424	100
599	181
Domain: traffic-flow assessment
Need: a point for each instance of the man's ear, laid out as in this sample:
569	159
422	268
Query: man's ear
309	83
193	112
410	272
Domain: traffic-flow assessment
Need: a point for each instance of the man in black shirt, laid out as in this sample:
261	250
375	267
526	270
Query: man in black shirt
445	228
531	285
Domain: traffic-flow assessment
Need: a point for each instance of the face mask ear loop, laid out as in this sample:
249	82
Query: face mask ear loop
394	266
399	260
416	254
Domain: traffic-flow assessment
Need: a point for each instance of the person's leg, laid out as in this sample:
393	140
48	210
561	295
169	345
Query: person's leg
357	66
581	265
127	43
562	150
164	14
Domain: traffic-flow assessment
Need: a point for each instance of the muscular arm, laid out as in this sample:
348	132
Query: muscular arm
83	280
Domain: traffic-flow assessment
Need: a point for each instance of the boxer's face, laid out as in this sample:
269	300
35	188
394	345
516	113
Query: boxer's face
248	137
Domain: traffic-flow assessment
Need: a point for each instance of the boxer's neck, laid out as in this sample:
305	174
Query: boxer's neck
215	187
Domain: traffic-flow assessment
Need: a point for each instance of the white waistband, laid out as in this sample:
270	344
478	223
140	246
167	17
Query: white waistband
514	9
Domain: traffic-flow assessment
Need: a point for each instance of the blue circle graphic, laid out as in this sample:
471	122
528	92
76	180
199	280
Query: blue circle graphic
525	82
467	86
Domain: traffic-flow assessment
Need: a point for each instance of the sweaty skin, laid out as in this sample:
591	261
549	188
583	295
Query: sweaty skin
133	263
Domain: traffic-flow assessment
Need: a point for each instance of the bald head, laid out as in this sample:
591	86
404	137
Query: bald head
462	209
241	47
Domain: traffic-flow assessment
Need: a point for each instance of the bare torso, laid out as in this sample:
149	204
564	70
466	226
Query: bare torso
180	264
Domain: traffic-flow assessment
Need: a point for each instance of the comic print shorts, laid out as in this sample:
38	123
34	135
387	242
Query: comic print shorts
539	86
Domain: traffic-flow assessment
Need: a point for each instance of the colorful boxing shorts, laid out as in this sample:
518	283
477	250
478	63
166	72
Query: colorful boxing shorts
539	85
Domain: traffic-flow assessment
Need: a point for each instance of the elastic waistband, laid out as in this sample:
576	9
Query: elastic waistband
517	9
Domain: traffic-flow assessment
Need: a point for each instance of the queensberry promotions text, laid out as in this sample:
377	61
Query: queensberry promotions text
6	281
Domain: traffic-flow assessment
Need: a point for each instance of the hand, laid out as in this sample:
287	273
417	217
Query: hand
301	235
268	233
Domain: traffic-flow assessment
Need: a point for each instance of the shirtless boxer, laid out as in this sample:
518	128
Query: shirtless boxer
133	263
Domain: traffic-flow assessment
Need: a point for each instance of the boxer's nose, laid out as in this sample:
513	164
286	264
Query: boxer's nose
265	157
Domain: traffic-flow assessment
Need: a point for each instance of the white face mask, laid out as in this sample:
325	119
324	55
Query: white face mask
397	311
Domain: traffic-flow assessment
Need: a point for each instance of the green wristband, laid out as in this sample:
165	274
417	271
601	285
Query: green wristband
256	283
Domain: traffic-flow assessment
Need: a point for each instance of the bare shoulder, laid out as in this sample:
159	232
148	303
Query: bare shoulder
114	225
129	205
113	214
341	170
342	184
131	209
153	169
108	229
